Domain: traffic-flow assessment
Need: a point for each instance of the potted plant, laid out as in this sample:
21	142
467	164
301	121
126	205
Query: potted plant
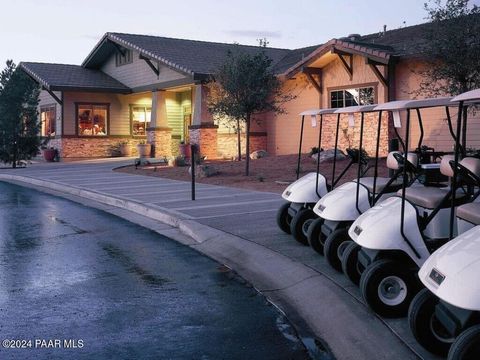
184	149
49	152
125	148
144	149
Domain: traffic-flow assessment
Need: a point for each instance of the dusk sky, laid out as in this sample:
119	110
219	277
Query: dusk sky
64	31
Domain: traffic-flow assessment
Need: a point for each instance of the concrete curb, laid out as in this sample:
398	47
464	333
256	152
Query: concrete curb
313	303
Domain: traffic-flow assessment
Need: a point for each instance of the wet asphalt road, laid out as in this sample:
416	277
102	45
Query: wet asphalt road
119	291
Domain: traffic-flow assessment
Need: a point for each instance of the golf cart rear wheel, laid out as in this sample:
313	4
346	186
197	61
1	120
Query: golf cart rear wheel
283	218
467	345
315	237
350	265
297	226
335	245
388	287
425	327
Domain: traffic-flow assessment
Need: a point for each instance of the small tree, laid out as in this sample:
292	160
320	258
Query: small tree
244	86
452	48
19	125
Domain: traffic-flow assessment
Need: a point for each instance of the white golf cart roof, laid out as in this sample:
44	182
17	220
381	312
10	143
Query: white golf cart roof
317	112
415	104
355	109
469	95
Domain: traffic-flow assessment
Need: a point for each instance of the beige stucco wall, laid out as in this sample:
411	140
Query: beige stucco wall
284	129
46	99
138	73
436	133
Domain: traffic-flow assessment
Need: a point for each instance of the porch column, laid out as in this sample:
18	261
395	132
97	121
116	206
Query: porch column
159	135
203	130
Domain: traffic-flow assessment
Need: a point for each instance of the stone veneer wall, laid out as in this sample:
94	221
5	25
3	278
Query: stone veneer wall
350	137
206	138
91	147
162	138
227	144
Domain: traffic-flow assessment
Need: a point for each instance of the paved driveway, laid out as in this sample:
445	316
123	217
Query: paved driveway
244	213
109	289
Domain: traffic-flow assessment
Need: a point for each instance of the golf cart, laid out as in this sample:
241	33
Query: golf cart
294	216
339	208
445	316
398	235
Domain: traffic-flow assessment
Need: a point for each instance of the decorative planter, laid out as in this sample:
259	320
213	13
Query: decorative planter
125	149
144	150
49	154
185	150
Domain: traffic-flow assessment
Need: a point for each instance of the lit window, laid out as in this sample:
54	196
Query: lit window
92	119
140	117
123	57
352	97
48	120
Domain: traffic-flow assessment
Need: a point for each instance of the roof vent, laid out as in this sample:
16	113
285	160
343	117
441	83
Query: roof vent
354	37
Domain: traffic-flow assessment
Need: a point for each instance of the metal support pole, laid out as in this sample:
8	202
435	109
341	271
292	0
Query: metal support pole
193	149
299	147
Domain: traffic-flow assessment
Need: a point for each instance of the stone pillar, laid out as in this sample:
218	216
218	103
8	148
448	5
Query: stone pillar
203	131
159	135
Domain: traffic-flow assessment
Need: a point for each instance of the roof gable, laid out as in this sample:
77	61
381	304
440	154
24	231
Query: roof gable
62	77
188	56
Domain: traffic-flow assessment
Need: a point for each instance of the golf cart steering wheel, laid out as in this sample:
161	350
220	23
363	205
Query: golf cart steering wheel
403	162
465	175
357	156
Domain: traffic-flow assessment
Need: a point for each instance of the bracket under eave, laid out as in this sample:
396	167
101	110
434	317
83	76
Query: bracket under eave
52	94
156	70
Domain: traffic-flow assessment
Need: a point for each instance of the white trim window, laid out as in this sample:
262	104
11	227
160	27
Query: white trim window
352	97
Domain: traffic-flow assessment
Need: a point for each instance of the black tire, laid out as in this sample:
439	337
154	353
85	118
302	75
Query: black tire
426	329
297	225
467	345
315	237
334	247
283	218
350	262
388	287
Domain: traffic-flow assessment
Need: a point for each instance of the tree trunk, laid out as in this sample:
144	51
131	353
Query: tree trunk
247	146
14	155
239	141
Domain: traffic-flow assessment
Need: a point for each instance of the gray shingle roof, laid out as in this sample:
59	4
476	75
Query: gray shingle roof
191	56
72	77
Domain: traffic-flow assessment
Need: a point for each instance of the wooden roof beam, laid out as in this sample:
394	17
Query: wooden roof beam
374	66
347	61
52	94
156	69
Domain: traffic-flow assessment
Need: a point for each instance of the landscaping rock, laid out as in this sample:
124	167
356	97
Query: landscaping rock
327	155
258	154
202	171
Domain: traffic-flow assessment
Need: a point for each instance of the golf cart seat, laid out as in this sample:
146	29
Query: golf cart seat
470	212
432	197
380	185
382	182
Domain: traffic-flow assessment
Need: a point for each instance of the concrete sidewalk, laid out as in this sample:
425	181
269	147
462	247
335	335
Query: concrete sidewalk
237	227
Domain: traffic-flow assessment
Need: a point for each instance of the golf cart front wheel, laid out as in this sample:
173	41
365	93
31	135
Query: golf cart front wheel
388	287
298	226
335	245
467	345
425	326
315	237
350	264
283	218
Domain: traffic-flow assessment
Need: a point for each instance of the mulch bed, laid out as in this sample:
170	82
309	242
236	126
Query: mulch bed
265	173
